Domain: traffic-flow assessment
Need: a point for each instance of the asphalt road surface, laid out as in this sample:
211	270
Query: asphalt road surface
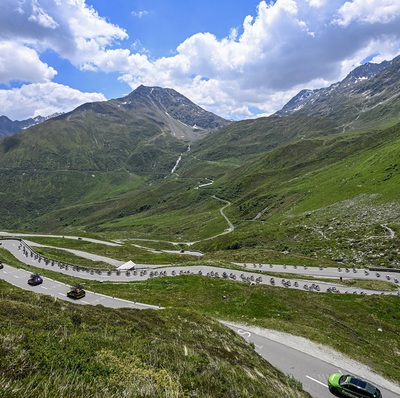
19	278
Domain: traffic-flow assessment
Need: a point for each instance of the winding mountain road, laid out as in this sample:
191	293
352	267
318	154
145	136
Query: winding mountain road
306	365
251	273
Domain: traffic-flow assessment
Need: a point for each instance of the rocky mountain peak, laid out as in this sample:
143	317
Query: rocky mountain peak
367	70
8	126
362	90
167	101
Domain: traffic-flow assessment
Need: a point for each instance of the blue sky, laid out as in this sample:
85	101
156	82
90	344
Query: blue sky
239	59
155	28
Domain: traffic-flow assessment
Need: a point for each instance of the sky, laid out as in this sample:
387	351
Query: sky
237	58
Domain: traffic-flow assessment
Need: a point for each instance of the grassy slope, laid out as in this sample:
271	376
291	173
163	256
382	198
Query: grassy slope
313	201
286	199
92	140
52	347
35	193
169	209
80	158
253	138
327	197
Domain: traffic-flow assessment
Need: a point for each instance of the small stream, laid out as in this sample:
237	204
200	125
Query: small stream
178	161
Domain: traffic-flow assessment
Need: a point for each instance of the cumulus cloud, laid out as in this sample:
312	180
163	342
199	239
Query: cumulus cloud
368	11
42	99
40	16
287	45
22	63
70	28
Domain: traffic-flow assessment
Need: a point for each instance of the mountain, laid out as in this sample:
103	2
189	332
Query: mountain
98	150
170	106
142	132
171	113
109	168
8	126
366	98
184	119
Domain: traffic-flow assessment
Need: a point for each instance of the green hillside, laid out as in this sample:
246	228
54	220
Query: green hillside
332	198
252	138
294	197
87	141
55	348
305	197
300	185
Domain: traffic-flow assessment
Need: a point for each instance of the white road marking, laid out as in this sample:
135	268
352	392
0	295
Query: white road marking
62	294
317	381
16	276
45	288
244	333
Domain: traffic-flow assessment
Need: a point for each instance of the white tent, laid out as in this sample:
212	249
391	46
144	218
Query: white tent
127	266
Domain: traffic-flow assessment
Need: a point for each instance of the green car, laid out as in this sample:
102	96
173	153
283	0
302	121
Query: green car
350	386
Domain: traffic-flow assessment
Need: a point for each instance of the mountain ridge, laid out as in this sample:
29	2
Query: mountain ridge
185	119
139	132
8	126
180	107
367	88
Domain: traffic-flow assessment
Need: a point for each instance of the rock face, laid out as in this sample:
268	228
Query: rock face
366	88
8	126
166	101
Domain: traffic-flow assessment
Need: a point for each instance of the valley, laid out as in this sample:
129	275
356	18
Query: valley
288	223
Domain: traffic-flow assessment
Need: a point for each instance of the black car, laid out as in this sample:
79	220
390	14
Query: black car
35	280
76	292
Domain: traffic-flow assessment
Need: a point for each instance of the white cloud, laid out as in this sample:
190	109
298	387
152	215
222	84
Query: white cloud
368	11
42	99
316	3
40	16
286	46
22	63
69	27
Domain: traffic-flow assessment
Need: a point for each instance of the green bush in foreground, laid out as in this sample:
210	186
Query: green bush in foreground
53	348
